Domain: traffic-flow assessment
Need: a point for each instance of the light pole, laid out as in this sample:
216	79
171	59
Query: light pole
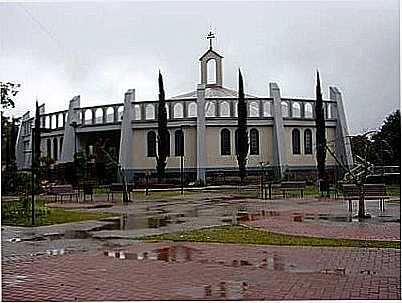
182	159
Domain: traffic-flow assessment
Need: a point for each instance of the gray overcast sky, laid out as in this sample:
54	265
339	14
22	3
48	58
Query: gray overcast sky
99	50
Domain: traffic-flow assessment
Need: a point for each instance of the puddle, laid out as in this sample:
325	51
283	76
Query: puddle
297	217
243	215
171	254
229	290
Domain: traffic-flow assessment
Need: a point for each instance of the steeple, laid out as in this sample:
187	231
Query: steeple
210	54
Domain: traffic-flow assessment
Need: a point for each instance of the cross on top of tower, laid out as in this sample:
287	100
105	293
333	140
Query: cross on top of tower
210	36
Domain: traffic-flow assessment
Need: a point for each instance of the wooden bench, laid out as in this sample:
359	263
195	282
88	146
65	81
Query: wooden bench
371	192
63	190
292	186
118	188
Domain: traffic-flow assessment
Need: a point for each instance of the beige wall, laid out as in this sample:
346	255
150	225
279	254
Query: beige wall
141	161
213	148
304	159
213	152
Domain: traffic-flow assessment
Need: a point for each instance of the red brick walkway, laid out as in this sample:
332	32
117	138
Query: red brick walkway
166	271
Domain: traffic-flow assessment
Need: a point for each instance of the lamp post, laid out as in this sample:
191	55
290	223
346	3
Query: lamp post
182	159
33	175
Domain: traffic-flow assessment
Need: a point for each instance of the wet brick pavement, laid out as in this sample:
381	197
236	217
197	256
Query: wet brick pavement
160	271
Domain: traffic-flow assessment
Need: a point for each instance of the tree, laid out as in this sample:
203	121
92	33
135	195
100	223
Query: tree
242	137
388	141
7	93
163	134
320	131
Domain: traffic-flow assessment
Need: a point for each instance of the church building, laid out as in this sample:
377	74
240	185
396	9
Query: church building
281	130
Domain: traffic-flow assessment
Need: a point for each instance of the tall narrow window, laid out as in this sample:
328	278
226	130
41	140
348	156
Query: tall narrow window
296	141
179	143
267	109
225	142
192	109
285	109
151	144
308	142
61	145
253	109
254	142
296	111
178	110
224	109
49	148
308	110
55	149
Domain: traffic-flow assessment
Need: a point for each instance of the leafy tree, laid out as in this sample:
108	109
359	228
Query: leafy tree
7	93
320	133
163	134
242	139
388	141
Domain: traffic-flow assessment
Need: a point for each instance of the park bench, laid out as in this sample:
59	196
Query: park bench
371	192
88	190
118	188
287	186
63	190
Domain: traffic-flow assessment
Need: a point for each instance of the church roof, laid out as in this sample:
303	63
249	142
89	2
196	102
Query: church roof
213	92
210	51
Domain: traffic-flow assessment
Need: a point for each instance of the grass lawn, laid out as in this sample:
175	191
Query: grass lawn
17	215
244	235
394	190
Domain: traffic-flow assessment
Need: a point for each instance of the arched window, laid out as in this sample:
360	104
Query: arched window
308	142
192	110
61	145
149	112
49	148
55	149
137	112
210	109
296	141
254	142
329	111
54	121
267	109
179	143
224	109
167	111
47	122
151	144
225	142
296	111
285	109
211	71
110	115
120	112
60	121
178	110
99	116
308	110
88	116
253	109
235	108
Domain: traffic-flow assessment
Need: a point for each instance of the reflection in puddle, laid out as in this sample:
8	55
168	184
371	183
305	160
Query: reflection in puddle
229	290
299	217
243	215
172	254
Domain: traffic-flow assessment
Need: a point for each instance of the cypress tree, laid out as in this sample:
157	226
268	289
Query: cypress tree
163	133
242	137
320	130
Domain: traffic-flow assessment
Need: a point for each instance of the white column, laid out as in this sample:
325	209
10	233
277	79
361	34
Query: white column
343	148
68	149
126	131
279	155
201	156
